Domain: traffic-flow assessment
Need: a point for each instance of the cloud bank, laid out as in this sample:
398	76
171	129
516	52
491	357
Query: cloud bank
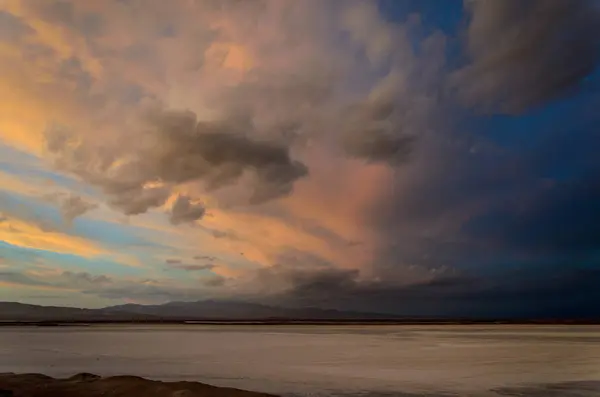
323	151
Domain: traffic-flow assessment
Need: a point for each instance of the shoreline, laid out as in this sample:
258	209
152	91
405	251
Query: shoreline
66	323
90	385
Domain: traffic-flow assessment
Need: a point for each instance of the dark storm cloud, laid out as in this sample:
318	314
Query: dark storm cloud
550	291
185	211
418	221
313	283
504	229
344	289
376	145
560	219
470	199
347	283
453	177
386	125
307	286
527	52
548	207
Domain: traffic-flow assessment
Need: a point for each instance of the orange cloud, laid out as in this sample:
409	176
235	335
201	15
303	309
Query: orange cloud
229	56
29	101
335	198
324	217
24	234
22	116
12	183
53	35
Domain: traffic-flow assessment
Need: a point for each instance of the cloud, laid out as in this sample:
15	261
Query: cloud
12	28
524	54
84	278
185	211
136	200
219	234
546	291
73	206
141	293
178	264
43	297
193	268
102	286
286	130
547	221
204	257
537	292
22	233
386	126
312	284
251	135
65	280
20	279
215	282
218	152
148	291
182	150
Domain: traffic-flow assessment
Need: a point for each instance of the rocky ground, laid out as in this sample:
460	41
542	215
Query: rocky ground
88	385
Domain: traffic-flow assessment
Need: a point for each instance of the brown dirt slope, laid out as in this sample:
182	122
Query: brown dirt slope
88	385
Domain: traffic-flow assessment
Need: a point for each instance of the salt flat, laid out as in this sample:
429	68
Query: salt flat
321	360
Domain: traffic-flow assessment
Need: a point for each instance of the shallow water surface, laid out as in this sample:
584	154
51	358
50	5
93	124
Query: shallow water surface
324	360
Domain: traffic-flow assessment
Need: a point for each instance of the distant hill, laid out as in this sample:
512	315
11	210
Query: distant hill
201	310
231	310
12	311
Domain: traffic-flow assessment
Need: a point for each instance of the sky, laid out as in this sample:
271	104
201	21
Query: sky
417	157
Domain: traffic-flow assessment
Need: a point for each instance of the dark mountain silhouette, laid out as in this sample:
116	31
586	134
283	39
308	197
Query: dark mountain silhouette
181	311
233	310
12	311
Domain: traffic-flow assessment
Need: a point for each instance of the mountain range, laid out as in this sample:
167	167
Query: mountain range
176	311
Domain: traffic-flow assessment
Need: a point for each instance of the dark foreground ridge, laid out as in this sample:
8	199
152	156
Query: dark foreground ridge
88	385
